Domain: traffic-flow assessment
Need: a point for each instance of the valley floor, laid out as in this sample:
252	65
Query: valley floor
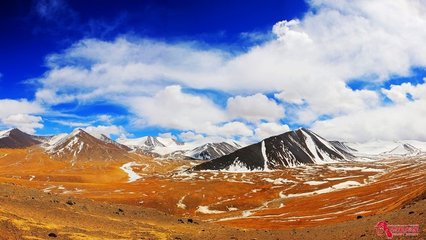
155	199
27	213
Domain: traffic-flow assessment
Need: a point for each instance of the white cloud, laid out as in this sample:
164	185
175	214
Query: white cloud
105	118
229	129
190	136
21	106
217	133
265	130
172	108
254	108
399	93
24	122
309	63
20	114
199	139
290	96
167	135
71	123
403	121
110	130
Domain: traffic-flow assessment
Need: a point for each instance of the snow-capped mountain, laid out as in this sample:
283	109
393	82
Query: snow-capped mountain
158	145
170	148
108	140
80	145
15	138
404	149
289	149
379	149
286	150
210	151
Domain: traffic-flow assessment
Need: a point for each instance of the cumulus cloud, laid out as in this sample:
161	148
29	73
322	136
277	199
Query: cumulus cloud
309	63
254	108
24	122
172	108
190	136
20	114
405	92
21	106
229	129
167	135
265	130
387	123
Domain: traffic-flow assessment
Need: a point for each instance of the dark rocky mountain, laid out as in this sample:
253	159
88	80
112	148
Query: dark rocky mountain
289	149
15	138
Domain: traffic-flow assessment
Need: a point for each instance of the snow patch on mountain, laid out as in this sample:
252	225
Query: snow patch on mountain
5	133
239	166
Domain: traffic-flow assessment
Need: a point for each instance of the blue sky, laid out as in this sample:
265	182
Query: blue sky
214	69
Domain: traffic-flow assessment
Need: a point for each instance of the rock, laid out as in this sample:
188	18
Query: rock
52	235
359	217
411	212
70	202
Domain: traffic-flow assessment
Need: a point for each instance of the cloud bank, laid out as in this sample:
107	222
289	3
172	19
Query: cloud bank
302	76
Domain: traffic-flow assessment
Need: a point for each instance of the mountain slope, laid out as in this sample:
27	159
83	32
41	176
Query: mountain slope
210	151
403	150
379	148
286	150
80	145
158	145
170	148
15	138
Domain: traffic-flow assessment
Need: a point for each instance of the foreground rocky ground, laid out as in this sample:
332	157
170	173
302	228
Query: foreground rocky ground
27	213
149	198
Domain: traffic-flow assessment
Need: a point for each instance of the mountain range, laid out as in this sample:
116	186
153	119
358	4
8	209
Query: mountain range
301	147
82	145
290	149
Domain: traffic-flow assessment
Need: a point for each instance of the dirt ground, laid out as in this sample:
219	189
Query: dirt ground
27	213
43	198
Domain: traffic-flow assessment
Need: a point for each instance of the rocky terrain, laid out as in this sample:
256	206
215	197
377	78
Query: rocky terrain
125	194
26	213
